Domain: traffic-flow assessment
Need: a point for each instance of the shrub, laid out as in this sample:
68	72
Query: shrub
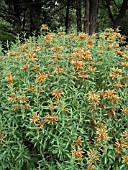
64	103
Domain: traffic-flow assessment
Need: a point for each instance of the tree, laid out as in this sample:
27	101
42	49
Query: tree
67	16
91	11
78	15
117	13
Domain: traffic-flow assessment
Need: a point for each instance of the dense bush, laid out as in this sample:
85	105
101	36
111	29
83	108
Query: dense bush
64	103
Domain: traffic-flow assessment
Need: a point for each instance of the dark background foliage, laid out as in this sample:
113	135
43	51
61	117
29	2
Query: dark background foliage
26	16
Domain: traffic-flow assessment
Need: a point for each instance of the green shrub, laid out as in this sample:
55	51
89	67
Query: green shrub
64	103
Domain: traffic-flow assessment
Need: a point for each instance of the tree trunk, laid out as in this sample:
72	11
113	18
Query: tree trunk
78	15
93	16
86	18
67	16
90	21
35	12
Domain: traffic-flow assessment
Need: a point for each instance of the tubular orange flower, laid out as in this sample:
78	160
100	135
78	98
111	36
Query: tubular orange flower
44	27
101	133
90	167
124	64
116	45
82	35
120	145
126	134
57	93
35	118
78	64
25	67
41	70
50	35
77	142
119	52
85	76
61	33
112	96
36	67
9	76
33	59
92	156
125	57
23	99
41	124
52	117
125	159
41	77
117	70
72	35
94	98
92	69
30	88
12	97
89	40
77	153
124	110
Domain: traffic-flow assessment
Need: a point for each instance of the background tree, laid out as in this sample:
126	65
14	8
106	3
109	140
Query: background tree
118	13
78	16
17	16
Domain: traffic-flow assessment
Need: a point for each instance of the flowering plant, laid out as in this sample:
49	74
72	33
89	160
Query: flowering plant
64	102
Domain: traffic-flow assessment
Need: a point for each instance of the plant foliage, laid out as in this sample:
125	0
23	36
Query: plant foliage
64	102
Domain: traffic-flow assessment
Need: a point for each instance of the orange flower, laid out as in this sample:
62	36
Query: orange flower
120	145
89	40
125	57
30	87
92	156
57	93
124	64
41	124
25	67
111	94
36	67
82	35
124	110
119	52
12	97
61	33
90	167
41	77
33	59
85	76
50	35
44	27
51	118
101	133
88	57
9	76
94	98
126	134
77	64
77	153
35	118
72	35
77	142
92	69
117	70
23	99
41	70
109	46
125	159
116	45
